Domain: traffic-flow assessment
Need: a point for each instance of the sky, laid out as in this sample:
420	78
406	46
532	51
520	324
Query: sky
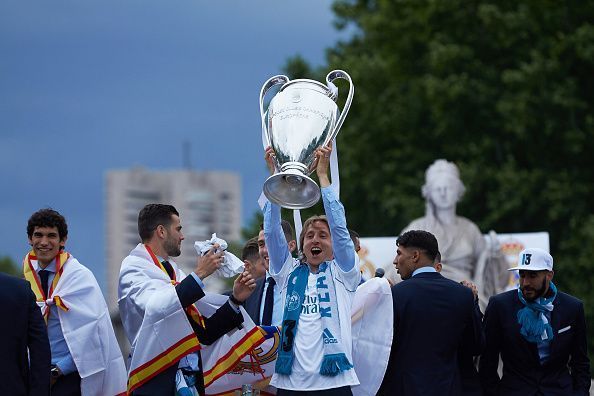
89	86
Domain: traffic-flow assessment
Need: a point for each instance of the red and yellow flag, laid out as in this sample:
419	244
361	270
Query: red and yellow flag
173	354
165	359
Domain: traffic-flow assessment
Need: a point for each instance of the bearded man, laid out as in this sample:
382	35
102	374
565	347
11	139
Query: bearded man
156	301
540	334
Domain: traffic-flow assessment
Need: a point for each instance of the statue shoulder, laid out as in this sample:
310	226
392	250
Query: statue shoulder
468	225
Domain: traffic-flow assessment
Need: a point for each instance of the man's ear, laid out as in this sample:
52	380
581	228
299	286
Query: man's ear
292	245
416	255
160	231
550	275
63	243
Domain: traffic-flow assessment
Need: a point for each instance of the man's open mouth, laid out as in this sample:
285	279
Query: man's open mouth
315	251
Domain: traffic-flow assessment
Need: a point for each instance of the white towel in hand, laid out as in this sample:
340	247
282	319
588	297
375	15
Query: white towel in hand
231	265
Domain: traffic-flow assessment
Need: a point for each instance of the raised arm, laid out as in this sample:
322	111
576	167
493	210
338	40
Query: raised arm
342	244
276	243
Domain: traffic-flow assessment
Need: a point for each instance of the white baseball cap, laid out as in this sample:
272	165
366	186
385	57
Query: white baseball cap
534	259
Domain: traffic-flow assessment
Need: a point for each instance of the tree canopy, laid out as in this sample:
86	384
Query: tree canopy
8	266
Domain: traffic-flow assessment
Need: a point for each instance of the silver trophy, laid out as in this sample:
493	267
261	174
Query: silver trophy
301	117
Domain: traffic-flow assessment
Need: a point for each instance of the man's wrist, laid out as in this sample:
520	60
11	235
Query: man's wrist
235	301
200	273
324	180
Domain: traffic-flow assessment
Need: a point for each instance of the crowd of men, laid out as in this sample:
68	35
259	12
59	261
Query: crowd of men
58	338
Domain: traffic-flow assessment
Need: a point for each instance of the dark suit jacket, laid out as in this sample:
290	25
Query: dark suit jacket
432	315
469	379
221	322
22	327
254	301
522	372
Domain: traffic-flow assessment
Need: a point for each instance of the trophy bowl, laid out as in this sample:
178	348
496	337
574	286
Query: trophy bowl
300	118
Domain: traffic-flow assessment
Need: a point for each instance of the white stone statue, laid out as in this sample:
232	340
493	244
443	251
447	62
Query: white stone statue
465	253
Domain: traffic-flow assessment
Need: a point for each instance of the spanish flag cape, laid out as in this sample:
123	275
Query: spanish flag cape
153	317
85	322
157	325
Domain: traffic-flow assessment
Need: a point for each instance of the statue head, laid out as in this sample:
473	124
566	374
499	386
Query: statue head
443	187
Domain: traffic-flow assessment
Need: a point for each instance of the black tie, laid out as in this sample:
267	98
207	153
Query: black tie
168	268
44	275
268	303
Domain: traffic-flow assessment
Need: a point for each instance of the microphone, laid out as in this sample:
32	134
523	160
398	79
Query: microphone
379	273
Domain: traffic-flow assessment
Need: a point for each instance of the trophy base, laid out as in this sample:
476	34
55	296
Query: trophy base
292	190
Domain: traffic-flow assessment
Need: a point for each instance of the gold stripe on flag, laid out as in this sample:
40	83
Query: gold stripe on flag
226	363
172	355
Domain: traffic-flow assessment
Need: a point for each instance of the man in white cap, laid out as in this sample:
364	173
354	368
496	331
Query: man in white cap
540	334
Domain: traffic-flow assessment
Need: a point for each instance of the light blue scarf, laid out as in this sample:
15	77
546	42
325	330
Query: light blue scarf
535	327
335	360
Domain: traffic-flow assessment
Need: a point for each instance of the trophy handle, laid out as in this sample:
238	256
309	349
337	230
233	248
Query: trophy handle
333	75
272	81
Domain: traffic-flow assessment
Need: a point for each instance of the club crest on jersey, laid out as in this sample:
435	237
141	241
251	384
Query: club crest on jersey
293	301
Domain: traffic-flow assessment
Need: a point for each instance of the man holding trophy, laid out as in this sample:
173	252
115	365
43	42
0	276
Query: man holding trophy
315	353
317	293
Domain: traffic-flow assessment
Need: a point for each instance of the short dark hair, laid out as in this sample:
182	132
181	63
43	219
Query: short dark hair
419	239
47	218
287	230
353	234
250	250
153	215
437	258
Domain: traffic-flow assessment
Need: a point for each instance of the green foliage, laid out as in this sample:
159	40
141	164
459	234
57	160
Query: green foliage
8	266
502	88
235	248
297	67
253	228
